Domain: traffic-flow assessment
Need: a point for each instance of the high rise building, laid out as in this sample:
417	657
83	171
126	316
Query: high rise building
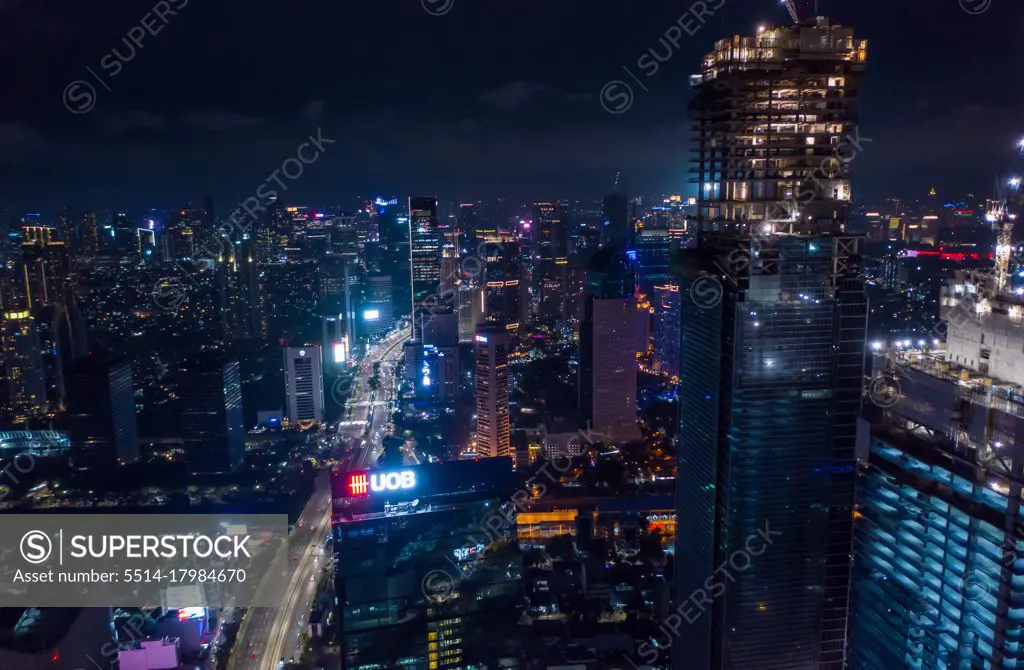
179	235
504	286
983	325
774	318
23	367
550	234
340	293
471	309
377	316
437	322
241	291
334	341
208	221
427	572
393	227
938	536
425	259
493	428
450	267
665	330
617	230
468	223
608	346
551	241
89	236
653	250
643	326
304	384
432	371
47	268
100	413
69	328
211	414
348	239
292	299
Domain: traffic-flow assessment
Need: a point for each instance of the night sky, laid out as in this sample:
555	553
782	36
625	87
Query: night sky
492	97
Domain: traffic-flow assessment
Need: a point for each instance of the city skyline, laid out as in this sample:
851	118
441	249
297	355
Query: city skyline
754	403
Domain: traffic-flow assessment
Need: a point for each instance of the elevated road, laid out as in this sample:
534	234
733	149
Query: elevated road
268	635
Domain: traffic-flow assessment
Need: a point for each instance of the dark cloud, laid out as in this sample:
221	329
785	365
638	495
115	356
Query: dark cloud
512	96
219	120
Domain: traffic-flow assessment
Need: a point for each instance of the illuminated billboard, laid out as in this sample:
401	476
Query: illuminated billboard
359	484
341	351
371	314
417	485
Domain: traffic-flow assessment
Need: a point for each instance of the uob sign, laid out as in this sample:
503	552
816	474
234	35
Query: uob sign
363	483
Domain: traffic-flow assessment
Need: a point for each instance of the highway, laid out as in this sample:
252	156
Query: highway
268	635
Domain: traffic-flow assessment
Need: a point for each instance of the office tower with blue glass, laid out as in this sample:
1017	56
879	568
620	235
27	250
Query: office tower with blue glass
424	261
211	413
938	562
773	327
427	571
665	330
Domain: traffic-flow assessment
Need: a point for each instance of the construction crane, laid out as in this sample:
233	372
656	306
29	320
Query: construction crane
999	216
800	10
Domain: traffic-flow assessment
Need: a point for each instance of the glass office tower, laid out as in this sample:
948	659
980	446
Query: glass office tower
938	577
427	568
424	259
768	431
774	318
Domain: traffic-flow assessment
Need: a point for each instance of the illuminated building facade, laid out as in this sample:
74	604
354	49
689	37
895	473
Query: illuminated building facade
504	291
551	236
470	301
23	366
665	330
335	342
432	371
493	428
304	384
425	259
985	327
773	347
775	116
653	249
377	316
179	237
428	573
450	270
938	562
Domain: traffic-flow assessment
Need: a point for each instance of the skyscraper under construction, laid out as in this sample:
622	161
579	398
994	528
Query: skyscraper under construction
773	349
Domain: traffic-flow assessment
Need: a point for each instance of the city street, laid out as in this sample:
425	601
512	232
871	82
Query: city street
269	635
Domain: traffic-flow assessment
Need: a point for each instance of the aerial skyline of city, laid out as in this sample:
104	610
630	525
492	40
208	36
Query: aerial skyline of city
442	336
